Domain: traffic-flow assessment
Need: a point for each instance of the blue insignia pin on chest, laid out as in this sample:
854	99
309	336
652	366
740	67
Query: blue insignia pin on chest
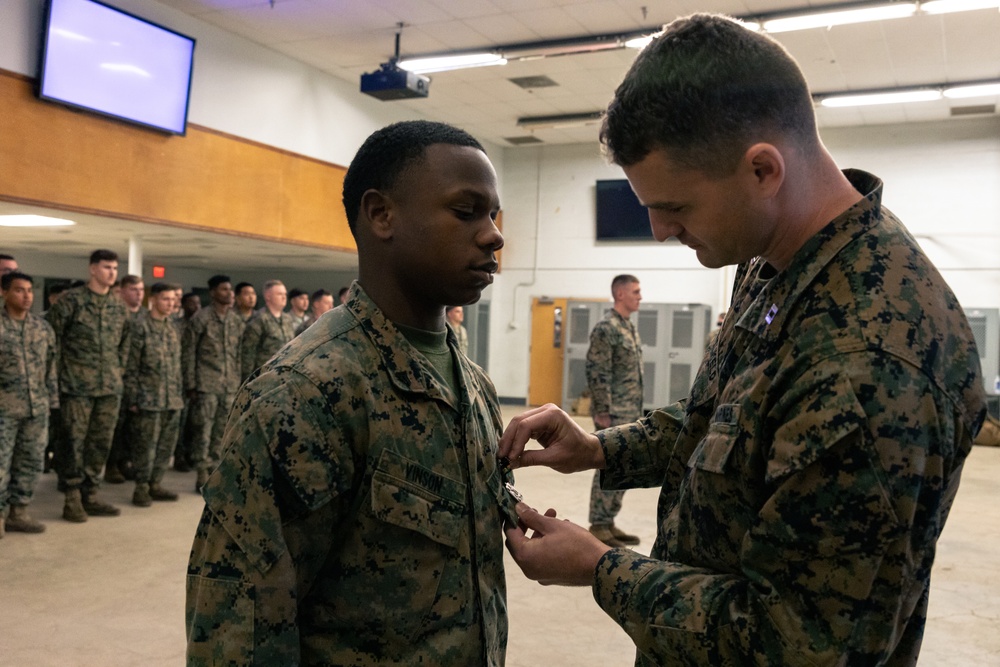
771	313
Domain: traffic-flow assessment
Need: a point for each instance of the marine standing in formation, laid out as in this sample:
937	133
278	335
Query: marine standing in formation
92	331
29	388
154	395
808	476
356	516
211	366
614	377
268	330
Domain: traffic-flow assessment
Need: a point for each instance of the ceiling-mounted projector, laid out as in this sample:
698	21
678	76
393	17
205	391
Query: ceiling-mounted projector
391	82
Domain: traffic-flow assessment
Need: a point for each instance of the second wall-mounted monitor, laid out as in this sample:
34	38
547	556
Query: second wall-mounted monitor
620	216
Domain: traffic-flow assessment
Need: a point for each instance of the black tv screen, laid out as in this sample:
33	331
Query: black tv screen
620	216
102	59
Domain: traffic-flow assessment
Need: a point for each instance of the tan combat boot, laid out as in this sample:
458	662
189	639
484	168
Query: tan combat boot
201	481
93	505
140	497
157	492
602	531
19	521
73	509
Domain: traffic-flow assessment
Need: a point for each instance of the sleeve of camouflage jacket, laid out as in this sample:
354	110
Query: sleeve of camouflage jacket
600	356
130	396
271	513
189	353
52	367
249	343
125	342
851	479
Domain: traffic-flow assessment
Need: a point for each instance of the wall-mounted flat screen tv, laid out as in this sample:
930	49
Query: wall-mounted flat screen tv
102	59
620	216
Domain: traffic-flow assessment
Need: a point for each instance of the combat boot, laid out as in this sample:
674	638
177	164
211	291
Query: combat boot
93	506
602	531
201	481
2	529
73	509
19	521
113	474
623	537
140	497
157	492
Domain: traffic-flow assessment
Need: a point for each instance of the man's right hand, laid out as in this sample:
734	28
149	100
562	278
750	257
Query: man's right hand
567	447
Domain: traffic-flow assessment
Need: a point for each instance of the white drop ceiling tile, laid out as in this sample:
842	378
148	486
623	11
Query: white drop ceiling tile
550	23
517	6
916	45
465	9
972	45
604	16
861	52
192	7
412	12
456	35
503	29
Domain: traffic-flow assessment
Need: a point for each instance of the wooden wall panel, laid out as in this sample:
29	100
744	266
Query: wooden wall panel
56	157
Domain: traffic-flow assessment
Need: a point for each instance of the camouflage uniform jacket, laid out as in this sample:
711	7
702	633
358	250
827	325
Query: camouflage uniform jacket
614	369
809	475
263	337
355	518
29	383
210	351
153	374
92	332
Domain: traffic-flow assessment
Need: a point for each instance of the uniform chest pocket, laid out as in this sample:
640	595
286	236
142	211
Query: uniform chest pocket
415	497
712	453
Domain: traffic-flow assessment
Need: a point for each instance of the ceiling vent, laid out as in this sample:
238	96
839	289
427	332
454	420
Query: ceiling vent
974	109
521	141
528	82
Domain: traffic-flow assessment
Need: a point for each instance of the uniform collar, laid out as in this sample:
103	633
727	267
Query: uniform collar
766	315
406	366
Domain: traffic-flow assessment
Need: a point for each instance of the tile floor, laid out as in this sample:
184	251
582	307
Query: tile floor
110	593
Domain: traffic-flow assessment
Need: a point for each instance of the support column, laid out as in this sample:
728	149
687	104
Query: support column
135	255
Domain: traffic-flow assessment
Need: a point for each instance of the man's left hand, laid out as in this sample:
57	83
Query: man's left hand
557	553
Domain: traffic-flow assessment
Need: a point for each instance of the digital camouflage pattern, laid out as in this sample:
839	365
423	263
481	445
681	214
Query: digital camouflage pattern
153	376
88	426
29	363
263	337
809	475
92	331
29	387
153	384
614	377
614	369
211	352
355	518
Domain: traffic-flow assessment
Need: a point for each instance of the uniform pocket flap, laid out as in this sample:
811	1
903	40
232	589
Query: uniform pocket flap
412	496
713	451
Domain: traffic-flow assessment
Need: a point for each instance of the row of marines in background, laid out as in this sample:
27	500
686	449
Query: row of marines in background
123	387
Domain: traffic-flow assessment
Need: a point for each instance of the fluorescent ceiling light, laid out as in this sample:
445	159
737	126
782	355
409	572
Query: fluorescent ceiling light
828	19
639	42
560	121
978	90
866	99
948	6
33	221
445	63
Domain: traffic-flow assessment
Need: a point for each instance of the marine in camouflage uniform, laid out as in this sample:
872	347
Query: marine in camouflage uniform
154	398
92	332
808	477
614	377
29	388
355	517
211	365
263	337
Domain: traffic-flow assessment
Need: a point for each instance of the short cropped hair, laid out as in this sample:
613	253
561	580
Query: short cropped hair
58	288
131	280
163	287
318	294
240	287
388	152
295	292
103	255
9	258
622	280
217	280
8	279
705	90
272	283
